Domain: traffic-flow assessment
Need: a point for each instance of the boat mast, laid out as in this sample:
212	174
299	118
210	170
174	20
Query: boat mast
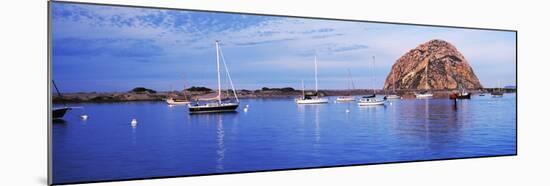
218	68
426	72
184	88
316	90
372	74
350	83
393	77
303	90
58	93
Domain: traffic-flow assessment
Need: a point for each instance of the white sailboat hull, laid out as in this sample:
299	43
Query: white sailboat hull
312	101
345	98
424	96
393	97
370	102
173	102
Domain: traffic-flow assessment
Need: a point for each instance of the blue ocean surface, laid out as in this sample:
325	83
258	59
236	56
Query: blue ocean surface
274	134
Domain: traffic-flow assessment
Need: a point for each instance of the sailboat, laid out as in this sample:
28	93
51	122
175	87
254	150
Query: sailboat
175	101
498	92
371	99
216	104
394	95
425	94
311	99
59	112
462	94
349	97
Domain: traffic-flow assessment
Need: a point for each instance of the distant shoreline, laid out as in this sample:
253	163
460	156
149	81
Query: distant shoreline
112	97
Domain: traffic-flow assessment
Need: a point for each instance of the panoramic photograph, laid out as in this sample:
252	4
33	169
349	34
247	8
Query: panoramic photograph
151	93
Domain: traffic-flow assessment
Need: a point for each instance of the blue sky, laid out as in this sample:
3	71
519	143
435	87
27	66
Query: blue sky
106	48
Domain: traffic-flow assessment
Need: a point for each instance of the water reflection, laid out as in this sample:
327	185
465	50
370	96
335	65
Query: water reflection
276	134
221	148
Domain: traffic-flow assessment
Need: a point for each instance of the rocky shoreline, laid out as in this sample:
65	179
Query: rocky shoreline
95	97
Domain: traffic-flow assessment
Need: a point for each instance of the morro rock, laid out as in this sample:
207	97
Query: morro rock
434	65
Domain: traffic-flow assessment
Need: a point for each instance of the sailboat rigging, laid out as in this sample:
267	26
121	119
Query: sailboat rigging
394	94
351	86
498	92
216	104
59	112
312	99
371	99
172	100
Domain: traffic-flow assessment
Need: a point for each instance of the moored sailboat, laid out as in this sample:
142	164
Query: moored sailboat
371	100
173	100
59	112
348	97
462	94
498	92
217	104
316	98
394	95
425	94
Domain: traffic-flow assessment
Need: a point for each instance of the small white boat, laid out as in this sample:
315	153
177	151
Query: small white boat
498	93
172	101
393	96
311	99
351	86
370	101
423	95
345	98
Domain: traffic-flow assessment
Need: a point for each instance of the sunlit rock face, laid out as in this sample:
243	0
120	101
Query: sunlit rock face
435	65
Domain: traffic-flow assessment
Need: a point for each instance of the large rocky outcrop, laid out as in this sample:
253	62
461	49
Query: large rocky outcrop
443	64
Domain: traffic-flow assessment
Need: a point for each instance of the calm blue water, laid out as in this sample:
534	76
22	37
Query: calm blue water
274	134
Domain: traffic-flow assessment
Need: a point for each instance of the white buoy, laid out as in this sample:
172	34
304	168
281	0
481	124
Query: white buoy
133	122
347	110
84	117
246	106
169	105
